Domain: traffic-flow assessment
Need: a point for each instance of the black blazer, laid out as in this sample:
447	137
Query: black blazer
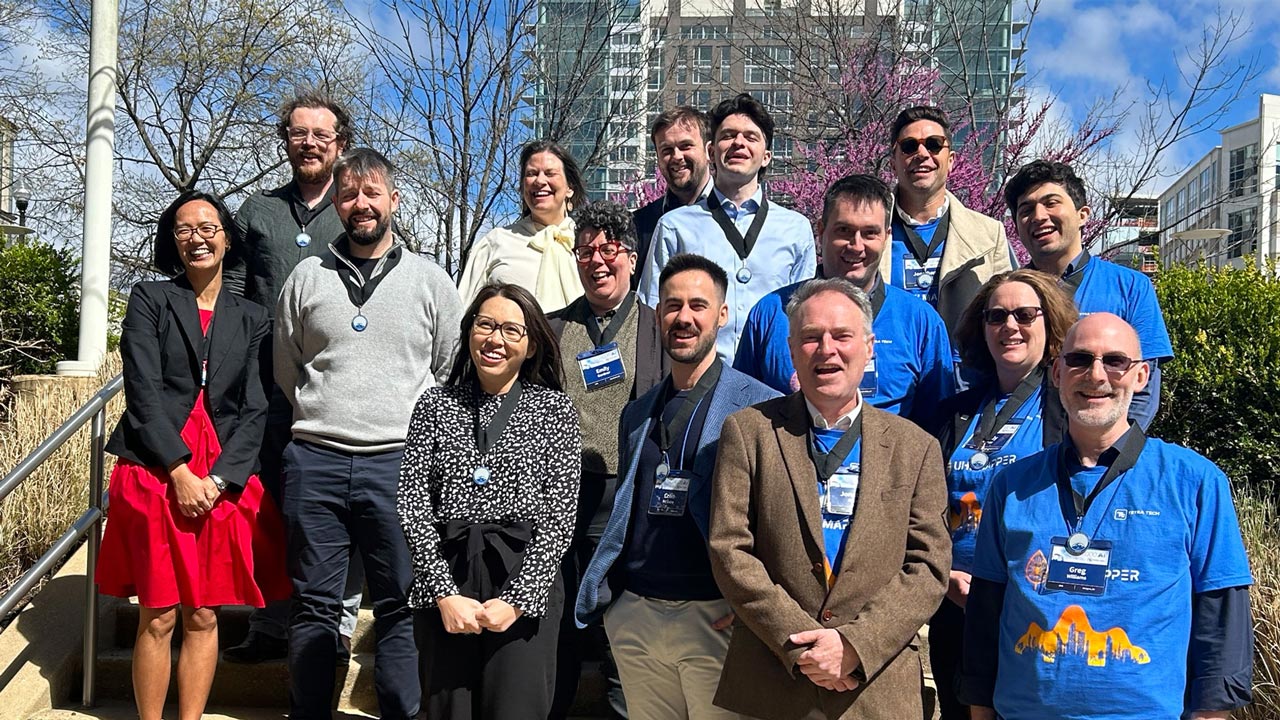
162	350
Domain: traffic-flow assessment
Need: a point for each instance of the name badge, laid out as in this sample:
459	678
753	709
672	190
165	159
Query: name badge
670	494
869	383
997	441
919	278
1083	574
842	490
601	367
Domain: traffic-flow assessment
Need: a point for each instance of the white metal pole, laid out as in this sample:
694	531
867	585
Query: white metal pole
95	268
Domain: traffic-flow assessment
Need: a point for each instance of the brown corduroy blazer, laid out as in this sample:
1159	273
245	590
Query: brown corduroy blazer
767	555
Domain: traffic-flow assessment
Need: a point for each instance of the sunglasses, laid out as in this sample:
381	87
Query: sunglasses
609	251
1023	316
933	143
1114	363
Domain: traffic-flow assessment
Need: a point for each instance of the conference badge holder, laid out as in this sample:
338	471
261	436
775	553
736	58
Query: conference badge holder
1078	565
917	277
842	490
670	493
869	383
601	367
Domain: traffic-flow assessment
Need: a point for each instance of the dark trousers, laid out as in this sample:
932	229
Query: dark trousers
333	501
946	642
490	676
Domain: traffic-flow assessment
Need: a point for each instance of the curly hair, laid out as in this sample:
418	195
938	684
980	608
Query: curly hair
611	217
1038	172
1059	315
315	98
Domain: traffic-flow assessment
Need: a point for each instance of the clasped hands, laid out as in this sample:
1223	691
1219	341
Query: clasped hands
829	660
464	615
195	495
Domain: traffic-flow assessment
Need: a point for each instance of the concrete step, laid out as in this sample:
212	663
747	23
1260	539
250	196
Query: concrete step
125	710
233	626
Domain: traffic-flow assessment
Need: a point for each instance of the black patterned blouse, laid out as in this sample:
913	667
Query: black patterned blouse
535	467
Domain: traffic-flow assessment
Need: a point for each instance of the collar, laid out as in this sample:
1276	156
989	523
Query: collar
1108	456
671	202
612	311
1076	265
295	195
751	204
844	422
907	219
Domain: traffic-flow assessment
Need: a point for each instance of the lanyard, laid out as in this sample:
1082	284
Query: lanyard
488	435
828	463
916	243
877	297
1128	452
360	290
685	413
741	245
990	422
206	343
603	336
1074	277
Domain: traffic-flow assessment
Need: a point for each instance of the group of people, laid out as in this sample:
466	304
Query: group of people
749	465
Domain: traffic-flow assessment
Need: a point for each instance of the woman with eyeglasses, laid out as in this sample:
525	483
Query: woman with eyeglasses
488	492
190	528
1009	334
536	251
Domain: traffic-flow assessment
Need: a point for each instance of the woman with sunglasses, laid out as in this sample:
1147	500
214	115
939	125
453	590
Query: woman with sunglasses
1009	334
190	528
536	251
488	492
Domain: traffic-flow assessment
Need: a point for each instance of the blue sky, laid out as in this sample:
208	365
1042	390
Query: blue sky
1083	50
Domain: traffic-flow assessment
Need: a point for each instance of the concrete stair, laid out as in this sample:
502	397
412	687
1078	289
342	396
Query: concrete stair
122	710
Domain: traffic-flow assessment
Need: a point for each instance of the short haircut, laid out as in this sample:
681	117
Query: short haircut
1037	172
541	367
572	174
611	217
859	189
166	258
916	114
684	262
743	104
681	115
363	163
1059	315
840	285
314	98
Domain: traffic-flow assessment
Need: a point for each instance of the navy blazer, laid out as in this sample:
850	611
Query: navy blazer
161	346
734	391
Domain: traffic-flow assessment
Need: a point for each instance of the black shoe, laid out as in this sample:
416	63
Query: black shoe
257	648
344	650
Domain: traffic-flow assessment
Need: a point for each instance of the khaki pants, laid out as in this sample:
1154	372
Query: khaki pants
669	657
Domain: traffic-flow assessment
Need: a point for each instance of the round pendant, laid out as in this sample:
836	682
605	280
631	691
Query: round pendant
1077	543
359	323
480	476
979	460
743	274
925	281
662	471
303	239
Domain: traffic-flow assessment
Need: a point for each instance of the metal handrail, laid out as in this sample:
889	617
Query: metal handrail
89	522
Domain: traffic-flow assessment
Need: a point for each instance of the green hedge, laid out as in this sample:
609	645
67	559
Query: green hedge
1221	392
39	304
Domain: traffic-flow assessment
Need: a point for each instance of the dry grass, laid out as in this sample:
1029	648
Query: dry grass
1260	524
52	497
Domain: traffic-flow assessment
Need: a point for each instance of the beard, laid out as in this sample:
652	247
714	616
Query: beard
692	356
309	175
370	237
697	175
1101	417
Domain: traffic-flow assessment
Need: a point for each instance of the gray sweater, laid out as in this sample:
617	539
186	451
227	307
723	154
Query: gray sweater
355	391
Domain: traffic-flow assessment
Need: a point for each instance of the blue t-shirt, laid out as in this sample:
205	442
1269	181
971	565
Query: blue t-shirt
967	484
835	526
1122	654
906	272
1108	287
913	368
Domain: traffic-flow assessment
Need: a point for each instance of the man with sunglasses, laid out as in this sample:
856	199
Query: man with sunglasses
1109	579
611	353
942	252
1047	201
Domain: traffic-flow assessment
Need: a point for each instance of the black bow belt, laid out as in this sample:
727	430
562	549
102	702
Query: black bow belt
484	557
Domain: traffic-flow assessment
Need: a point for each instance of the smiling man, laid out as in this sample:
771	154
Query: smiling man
910	371
1110	580
827	532
942	251
760	245
360	333
1047	200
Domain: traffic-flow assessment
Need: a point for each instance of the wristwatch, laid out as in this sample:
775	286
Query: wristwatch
219	483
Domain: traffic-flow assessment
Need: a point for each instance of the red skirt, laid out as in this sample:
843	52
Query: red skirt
232	555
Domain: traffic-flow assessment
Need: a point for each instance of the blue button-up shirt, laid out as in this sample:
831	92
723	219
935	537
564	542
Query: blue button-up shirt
784	253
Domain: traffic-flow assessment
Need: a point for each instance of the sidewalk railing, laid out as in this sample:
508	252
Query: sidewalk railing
89	522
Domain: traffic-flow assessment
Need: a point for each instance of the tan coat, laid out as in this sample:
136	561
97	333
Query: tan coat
767	556
976	248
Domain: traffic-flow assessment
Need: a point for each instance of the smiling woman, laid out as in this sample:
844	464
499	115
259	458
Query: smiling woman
535	251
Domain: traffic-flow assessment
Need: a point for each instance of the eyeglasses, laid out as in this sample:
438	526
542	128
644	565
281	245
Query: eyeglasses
322	137
1114	363
933	143
205	231
485	326
609	251
1023	315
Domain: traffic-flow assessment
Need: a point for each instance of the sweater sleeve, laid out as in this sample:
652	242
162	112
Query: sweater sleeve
287	341
446	305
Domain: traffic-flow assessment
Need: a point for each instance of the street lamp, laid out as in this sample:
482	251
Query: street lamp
21	198
1202	237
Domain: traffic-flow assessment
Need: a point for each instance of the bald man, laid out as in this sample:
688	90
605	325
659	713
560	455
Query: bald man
1110	579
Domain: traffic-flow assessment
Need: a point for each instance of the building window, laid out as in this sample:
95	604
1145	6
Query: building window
726	68
1208	188
1244	233
702	58
766	65
1243	171
702	99
682	65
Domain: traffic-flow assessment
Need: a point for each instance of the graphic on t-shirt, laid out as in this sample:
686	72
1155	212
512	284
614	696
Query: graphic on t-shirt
965	515
1037	570
1073	636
